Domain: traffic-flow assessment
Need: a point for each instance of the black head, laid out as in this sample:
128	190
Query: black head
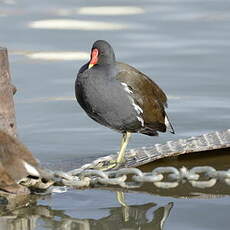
102	53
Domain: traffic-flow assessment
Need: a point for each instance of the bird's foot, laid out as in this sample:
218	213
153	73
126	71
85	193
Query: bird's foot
108	165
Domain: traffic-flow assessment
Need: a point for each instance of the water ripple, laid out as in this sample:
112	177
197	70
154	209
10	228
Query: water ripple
68	24
59	56
102	10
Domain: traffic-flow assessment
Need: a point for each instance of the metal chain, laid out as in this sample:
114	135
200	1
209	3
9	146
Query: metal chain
161	177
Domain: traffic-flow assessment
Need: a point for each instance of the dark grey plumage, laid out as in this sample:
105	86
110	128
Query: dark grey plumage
119	96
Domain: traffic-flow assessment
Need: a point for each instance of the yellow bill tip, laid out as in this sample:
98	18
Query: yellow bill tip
90	66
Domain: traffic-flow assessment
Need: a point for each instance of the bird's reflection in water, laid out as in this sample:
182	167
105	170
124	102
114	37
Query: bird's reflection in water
145	216
135	217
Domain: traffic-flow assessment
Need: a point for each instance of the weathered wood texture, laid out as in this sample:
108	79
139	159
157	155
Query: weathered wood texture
7	111
13	154
205	142
145	155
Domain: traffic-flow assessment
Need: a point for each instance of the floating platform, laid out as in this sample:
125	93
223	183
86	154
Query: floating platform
145	155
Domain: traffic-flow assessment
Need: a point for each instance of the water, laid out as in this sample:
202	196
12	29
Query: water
183	45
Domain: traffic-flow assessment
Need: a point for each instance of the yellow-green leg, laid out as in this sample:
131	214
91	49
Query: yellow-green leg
124	142
121	155
125	207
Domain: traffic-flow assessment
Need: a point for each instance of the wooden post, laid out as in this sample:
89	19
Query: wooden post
16	160
7	111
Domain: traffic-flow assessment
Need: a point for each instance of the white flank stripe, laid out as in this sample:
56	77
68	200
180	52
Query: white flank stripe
30	169
126	88
137	108
167	122
141	120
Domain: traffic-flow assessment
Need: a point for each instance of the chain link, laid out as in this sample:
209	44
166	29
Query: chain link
161	177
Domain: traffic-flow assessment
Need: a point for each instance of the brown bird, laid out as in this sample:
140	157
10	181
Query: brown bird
16	164
120	97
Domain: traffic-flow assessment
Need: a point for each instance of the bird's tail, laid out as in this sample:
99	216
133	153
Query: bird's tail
169	125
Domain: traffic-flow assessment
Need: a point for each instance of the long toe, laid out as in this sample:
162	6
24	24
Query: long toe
107	165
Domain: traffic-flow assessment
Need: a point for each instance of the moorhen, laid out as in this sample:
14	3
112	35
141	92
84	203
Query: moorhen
16	165
120	97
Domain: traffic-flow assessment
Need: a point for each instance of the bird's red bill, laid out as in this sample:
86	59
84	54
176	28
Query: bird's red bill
94	58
